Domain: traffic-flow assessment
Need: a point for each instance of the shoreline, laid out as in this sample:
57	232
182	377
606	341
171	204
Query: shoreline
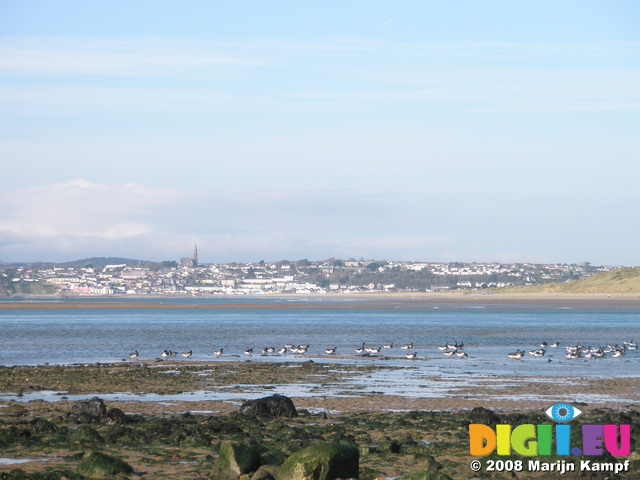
346	301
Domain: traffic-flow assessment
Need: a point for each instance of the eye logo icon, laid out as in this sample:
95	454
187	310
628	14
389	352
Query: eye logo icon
563	412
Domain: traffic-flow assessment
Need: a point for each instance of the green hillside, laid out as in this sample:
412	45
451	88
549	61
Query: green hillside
619	280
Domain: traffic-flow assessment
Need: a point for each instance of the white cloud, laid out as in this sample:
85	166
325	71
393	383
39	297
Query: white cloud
81	209
79	218
56	56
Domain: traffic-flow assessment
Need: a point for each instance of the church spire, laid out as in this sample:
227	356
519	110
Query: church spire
195	255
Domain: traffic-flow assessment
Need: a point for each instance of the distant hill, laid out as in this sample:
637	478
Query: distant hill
619	280
101	262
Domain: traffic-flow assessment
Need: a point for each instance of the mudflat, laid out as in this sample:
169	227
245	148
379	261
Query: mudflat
348	301
171	437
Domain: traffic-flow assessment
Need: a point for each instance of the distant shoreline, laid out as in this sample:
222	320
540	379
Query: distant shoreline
355	301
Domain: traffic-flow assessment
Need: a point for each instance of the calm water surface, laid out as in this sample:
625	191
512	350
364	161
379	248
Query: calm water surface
62	336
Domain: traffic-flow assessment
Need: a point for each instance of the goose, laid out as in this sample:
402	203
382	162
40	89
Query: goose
538	353
360	350
133	355
302	349
518	354
373	350
443	348
411	356
187	354
219	352
543	344
555	344
407	346
282	350
330	351
165	353
388	345
265	350
618	352
450	353
462	354
248	351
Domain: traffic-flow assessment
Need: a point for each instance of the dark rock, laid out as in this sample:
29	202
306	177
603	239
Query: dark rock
86	434
42	425
100	465
115	416
15	436
272	457
392	446
124	435
322	462
266	472
236	459
88	411
483	415
269	407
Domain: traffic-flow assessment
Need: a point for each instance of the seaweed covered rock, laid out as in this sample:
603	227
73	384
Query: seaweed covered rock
322	462
115	416
88	411
483	415
42	425
86	434
100	465
236	459
266	472
426	475
275	406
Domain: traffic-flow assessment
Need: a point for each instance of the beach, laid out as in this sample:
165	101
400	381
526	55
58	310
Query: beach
396	434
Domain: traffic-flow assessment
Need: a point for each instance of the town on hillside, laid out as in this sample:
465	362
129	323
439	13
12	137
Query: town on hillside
189	277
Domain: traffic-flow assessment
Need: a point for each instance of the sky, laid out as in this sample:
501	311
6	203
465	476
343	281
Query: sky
431	130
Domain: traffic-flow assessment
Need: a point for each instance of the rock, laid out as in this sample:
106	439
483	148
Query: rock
88	411
236	459
115	416
426	475
42	425
275	406
272	457
483	415
86	434
100	465
266	472
322	462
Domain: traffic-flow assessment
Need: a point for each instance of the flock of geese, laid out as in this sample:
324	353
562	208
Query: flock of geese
579	351
455	349
449	350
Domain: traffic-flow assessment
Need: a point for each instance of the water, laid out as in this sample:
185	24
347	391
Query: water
70	335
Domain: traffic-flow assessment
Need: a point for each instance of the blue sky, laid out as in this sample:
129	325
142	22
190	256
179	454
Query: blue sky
417	130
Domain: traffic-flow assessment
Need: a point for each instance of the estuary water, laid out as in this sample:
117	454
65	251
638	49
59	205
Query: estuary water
83	335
